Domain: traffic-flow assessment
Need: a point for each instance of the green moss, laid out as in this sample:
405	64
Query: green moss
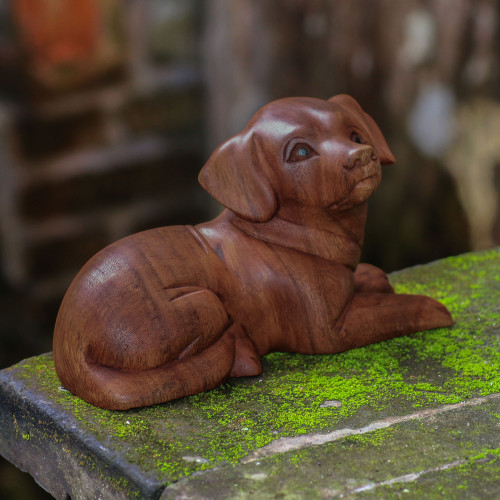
375	438
488	455
405	374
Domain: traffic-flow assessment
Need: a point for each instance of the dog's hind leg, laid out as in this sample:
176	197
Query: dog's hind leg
374	317
246	359
129	353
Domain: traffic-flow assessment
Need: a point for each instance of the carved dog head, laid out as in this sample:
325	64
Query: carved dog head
319	153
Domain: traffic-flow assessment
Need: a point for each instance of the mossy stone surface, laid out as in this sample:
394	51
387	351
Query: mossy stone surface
415	416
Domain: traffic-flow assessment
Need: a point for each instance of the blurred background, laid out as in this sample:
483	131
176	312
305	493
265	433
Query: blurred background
109	108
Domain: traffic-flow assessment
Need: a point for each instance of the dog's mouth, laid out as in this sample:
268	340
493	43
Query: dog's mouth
365	175
367	179
360	186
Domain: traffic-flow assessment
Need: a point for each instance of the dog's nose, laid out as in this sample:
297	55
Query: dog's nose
361	155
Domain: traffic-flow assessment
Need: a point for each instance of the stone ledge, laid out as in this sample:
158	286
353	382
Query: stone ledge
416	415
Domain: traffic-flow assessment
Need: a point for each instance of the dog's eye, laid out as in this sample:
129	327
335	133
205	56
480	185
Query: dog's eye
300	152
355	137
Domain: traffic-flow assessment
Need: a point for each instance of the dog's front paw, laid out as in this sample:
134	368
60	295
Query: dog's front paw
433	314
371	279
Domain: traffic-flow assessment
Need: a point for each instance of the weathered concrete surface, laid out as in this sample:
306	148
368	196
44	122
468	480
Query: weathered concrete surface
415	417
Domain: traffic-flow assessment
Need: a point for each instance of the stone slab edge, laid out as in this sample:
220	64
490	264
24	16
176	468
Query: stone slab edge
74	464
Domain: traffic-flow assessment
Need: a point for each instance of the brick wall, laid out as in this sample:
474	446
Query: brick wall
99	140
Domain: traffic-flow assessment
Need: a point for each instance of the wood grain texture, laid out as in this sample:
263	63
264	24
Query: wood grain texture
174	311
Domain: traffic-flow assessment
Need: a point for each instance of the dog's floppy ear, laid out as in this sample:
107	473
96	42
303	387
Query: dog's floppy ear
234	177
349	103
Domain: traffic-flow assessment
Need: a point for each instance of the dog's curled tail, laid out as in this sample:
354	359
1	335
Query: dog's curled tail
117	389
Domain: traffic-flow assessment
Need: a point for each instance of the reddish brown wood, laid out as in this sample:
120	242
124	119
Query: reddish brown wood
174	311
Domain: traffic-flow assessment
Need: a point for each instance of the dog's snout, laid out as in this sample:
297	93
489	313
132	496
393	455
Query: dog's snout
360	156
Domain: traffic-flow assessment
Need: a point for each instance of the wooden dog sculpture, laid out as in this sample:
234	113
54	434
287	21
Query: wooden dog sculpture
174	311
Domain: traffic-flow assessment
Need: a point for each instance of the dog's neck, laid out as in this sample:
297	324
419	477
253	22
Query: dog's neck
334	236
348	224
